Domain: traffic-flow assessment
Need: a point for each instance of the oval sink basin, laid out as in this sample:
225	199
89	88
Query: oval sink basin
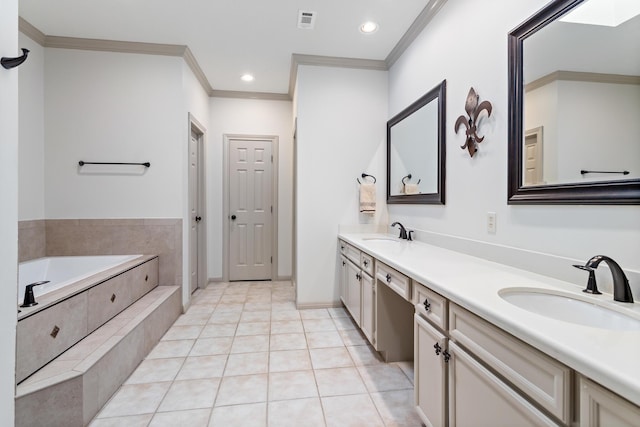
568	308
381	239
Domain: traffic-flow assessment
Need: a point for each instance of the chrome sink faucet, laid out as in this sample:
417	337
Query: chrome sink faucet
621	288
403	231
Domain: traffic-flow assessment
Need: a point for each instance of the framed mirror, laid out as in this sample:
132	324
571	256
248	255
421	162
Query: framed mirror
574	104
416	150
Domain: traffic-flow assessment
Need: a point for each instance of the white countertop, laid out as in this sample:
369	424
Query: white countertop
611	358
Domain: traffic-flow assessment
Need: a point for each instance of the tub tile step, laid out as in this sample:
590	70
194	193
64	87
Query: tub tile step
93	355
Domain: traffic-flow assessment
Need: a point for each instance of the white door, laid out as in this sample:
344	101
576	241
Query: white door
533	157
250	209
194	214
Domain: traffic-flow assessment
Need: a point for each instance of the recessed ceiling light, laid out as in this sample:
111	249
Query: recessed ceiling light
369	27
247	78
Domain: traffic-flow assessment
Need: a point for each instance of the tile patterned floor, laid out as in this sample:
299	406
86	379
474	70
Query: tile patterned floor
244	356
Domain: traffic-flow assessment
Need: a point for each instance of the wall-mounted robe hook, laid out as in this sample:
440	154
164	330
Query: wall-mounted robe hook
364	175
14	62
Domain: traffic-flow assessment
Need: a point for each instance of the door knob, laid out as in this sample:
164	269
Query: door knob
198	218
233	217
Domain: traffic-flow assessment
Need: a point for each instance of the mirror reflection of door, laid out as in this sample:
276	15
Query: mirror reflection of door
533	157
250	209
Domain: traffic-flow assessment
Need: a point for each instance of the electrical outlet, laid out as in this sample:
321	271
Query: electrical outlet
491	222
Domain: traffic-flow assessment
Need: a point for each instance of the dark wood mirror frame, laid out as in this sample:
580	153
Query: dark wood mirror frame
438	198
622	192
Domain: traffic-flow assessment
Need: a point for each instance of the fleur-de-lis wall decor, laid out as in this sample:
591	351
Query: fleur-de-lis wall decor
473	110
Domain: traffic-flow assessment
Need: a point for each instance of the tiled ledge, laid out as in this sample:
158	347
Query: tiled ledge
71	389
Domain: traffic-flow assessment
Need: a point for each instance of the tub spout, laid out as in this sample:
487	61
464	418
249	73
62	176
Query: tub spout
29	299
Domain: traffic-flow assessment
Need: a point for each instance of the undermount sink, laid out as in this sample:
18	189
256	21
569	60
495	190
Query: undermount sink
569	307
388	242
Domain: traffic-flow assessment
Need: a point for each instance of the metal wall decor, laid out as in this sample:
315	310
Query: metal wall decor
473	110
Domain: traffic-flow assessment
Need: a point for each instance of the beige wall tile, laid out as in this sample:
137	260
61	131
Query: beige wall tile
57	406
31	239
110	237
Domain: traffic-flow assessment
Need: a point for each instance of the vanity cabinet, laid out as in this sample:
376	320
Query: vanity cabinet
455	386
478	398
467	370
601	408
430	373
353	291
357	288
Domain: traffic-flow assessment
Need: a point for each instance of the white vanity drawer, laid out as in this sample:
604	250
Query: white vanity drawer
398	282
366	263
543	379
430	305
350	252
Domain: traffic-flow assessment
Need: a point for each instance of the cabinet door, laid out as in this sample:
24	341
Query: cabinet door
601	408
353	291
344	287
477	398
368	307
430	385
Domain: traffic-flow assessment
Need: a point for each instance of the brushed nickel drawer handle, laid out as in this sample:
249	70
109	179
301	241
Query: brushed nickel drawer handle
146	278
113	297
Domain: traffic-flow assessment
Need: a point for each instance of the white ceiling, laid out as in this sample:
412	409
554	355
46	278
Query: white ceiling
231	37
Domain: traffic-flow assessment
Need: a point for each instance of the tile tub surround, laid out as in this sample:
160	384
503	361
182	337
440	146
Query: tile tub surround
120	237
609	357
243	355
32	242
70	390
77	309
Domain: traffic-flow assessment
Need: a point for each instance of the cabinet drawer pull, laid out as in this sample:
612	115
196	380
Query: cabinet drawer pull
358	276
54	331
388	278
146	278
446	356
344	263
438	349
342	248
113	297
427	304
366	263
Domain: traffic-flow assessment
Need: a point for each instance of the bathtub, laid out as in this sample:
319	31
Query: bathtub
63	271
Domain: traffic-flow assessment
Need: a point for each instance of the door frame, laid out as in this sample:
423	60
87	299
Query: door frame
274	200
196	127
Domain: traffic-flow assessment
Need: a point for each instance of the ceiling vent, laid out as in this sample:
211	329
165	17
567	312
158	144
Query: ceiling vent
306	19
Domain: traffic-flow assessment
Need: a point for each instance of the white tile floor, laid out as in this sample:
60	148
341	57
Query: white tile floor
244	356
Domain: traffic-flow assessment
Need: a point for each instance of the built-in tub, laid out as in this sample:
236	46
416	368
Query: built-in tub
63	271
84	294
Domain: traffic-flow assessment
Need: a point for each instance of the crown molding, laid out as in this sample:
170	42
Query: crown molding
191	61
578	76
30	31
420	23
181	51
330	61
250	95
115	46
